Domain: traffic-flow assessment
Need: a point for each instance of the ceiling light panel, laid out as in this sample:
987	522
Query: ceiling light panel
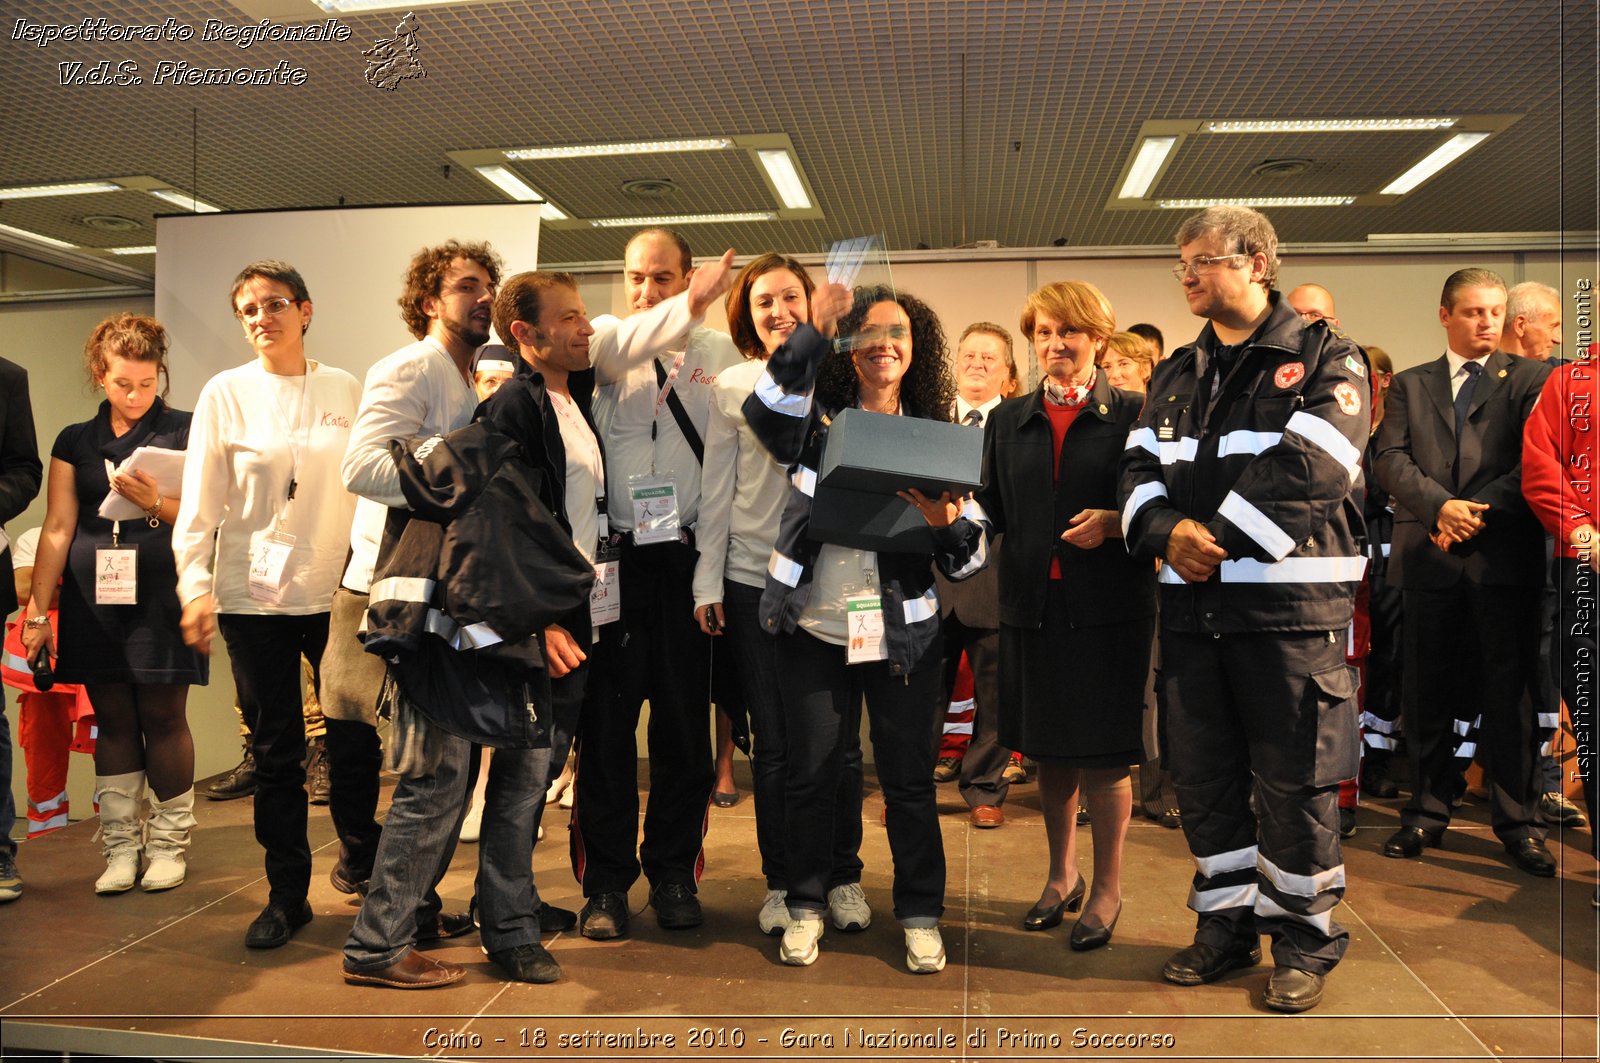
1433	162
148	249
1329	125
780	167
1259	201
633	147
185	201
24	234
78	188
1147	163
683	219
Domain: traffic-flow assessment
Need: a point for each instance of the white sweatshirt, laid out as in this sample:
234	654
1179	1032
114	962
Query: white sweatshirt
252	432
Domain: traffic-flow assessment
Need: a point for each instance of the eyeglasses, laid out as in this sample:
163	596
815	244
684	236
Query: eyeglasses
1203	265
878	333
1311	317
270	308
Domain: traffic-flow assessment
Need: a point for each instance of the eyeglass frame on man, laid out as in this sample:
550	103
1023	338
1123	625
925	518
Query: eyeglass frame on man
1205	264
249	313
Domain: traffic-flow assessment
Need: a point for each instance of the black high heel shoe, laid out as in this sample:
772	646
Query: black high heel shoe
1085	937
1044	916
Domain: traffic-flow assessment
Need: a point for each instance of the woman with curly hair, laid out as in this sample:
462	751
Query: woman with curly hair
741	505
891	361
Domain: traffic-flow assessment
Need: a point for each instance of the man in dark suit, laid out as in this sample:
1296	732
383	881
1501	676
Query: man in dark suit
986	373
19	484
1468	556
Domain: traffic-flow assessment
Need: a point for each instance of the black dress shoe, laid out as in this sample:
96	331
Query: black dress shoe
1086	937
276	925
446	925
604	917
1290	989
1201	963
677	908
528	963
1407	843
553	920
239	781
1043	916
341	880
1531	856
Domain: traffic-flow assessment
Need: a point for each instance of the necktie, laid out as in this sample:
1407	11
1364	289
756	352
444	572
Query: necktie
974	418
1464	396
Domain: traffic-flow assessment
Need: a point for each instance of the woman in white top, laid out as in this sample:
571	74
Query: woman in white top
742	497
260	540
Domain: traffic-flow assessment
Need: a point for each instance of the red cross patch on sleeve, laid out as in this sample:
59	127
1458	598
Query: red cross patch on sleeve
1349	399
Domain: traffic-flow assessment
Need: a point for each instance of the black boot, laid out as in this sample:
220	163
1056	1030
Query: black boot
317	770
240	782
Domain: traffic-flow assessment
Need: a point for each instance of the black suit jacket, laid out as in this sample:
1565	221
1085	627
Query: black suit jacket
19	464
1417	465
975	601
1023	499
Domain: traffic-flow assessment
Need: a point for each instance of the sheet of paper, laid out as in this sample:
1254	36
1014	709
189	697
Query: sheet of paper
165	466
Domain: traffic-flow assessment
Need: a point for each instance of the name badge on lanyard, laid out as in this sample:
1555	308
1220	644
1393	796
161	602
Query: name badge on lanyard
655	509
269	566
605	599
116	573
864	623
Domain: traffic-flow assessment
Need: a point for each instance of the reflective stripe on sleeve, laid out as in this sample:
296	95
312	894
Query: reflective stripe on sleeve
1329	438
774	398
1256	524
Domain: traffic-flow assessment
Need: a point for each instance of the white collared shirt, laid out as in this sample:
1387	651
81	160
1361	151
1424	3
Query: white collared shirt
1458	370
963	407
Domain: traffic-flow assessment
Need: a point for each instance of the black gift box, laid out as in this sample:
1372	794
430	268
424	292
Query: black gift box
869	457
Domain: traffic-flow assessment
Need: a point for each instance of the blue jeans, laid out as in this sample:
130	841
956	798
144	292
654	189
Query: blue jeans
8	804
414	850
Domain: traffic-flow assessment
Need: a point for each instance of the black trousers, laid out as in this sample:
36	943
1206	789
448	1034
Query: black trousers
984	763
656	651
1575	662
1471	652
822	696
1380	712
266	652
757	654
1273	712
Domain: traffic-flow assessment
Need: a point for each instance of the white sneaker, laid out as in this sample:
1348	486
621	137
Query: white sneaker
848	906
773	919
924	950
799	947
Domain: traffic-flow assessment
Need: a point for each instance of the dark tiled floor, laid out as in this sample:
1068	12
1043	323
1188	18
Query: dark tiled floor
1455	956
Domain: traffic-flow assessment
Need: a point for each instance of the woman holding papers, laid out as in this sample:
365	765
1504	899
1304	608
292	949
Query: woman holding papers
818	596
1076	612
119	609
260	542
742	497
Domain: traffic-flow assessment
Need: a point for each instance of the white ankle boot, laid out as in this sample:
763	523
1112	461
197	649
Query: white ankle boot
121	800
168	828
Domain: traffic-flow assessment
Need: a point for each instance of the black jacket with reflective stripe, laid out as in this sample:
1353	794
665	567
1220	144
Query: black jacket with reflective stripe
1272	468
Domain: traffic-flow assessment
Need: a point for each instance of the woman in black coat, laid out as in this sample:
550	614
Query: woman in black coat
1076	612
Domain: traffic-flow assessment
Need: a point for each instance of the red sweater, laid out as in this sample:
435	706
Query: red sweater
1560	477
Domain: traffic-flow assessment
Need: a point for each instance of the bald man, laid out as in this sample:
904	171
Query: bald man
1313	303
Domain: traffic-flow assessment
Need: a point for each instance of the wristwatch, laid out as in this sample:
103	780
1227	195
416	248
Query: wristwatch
42	620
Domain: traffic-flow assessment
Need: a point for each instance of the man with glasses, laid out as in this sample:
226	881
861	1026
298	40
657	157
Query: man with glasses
1242	475
423	389
1313	303
986	373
